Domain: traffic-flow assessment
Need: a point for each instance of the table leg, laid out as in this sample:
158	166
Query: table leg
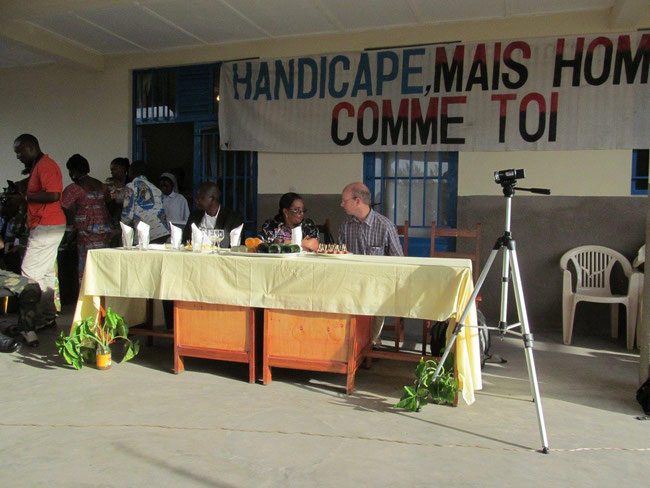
149	320
179	366
351	359
266	369
251	351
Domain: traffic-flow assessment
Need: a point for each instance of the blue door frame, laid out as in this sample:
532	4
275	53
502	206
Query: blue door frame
189	94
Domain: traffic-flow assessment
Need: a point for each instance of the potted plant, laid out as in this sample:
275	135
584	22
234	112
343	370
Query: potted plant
90	340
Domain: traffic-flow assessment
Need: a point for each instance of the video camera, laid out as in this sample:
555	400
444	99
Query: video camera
506	176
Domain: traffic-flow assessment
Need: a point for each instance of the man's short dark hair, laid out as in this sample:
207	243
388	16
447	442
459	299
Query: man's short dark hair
209	187
27	140
78	163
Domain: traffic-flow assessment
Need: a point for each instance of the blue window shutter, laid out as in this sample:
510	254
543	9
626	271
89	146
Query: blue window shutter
195	92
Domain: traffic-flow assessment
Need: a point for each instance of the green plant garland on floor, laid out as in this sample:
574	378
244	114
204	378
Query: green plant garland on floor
425	390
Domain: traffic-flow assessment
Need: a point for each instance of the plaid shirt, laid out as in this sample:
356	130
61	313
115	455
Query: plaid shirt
376	235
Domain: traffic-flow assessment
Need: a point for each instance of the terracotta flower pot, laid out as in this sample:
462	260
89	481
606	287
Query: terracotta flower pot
103	359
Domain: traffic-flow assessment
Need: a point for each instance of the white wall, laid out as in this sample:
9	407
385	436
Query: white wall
72	110
69	111
307	173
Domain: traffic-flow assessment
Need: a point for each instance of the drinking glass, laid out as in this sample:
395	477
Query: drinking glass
204	234
212	235
220	234
127	240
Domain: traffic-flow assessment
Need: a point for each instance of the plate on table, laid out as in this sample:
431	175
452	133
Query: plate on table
158	247
268	255
208	250
151	247
325	255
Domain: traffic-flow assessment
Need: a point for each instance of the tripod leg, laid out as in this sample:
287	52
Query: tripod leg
470	302
505	278
528	346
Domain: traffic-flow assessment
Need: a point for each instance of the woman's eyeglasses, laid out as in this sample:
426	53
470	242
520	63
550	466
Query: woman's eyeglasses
298	211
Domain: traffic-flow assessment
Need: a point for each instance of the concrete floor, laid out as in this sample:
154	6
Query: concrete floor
138	424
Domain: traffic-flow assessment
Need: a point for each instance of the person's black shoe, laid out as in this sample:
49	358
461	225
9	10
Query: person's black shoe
7	344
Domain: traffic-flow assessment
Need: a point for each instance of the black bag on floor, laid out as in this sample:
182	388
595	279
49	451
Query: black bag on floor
483	338
643	396
439	339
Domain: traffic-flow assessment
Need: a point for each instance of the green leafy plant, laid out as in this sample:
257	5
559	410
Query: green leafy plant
426	390
93	336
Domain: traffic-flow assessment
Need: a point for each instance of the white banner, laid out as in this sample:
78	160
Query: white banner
560	93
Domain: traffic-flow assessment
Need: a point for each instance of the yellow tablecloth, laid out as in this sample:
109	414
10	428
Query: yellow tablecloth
423	288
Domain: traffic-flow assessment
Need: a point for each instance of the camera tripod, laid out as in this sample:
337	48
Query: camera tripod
507	243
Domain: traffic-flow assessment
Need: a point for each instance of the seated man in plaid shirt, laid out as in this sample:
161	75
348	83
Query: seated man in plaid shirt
367	232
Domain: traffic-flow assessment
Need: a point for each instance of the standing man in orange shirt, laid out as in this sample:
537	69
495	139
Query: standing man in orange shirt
46	222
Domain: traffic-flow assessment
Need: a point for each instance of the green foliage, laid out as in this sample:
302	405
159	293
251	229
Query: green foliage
90	337
426	390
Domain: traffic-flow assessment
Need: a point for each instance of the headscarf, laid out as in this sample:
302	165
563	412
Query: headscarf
172	178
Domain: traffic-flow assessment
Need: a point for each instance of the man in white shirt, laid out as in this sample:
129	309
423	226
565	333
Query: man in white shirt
211	214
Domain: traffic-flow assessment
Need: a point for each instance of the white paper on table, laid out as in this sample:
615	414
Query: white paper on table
143	235
235	236
296	235
127	236
198	238
177	236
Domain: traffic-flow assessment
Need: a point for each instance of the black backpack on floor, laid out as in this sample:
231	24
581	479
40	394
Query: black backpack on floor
439	339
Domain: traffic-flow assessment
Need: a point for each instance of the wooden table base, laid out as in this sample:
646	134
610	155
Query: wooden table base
314	341
212	331
146	328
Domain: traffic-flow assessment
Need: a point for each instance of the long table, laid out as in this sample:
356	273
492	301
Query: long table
422	288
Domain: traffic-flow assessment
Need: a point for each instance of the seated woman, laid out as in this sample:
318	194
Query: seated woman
174	203
290	215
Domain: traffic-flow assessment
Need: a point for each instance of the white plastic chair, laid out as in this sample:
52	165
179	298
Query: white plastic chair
593	266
